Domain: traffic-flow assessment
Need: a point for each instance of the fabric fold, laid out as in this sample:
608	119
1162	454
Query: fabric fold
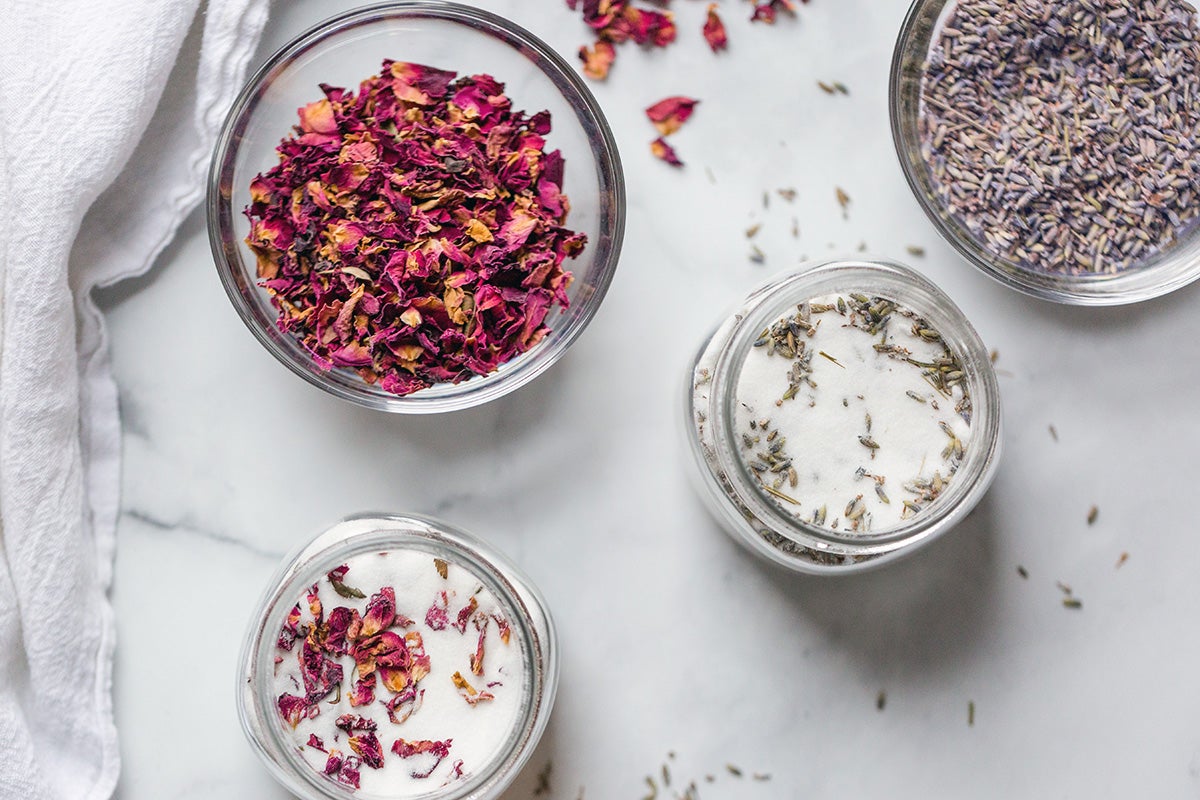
80	136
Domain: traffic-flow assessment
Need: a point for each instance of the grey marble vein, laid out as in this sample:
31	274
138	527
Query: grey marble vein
188	527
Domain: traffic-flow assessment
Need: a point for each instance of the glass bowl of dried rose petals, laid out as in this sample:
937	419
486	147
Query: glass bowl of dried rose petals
1056	146
395	657
417	206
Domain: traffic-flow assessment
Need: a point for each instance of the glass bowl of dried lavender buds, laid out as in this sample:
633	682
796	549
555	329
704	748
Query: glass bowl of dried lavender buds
1056	145
417	206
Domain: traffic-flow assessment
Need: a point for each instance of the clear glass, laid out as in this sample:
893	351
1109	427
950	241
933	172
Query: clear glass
1159	274
342	52
522	603
728	487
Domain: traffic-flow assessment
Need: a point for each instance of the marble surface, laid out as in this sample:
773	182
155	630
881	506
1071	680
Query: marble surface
673	638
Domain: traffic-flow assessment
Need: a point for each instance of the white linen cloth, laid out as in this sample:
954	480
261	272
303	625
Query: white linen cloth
93	184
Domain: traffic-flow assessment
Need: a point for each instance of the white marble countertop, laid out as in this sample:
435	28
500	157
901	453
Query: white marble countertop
673	638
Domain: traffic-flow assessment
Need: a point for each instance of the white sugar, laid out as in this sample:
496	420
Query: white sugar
843	462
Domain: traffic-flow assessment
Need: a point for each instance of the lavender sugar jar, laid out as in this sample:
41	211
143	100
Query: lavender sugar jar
842	416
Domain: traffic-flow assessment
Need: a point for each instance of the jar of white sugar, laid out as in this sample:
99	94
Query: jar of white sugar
843	416
396	657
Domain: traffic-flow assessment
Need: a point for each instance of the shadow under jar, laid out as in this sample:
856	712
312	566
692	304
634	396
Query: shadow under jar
1056	145
842	417
397	658
346	50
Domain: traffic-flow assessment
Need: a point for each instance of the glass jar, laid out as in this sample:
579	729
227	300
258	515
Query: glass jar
730	480
530	634
1164	271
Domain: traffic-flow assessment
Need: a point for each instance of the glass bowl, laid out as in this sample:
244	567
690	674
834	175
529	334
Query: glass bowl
725	481
265	663
347	49
1163	272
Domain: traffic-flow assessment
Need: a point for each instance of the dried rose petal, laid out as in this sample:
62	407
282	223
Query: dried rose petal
468	692
291	630
394	662
617	21
349	772
437	617
418	83
314	604
464	615
664	151
344	770
503	626
477	656
320	673
351	722
407	749
768	12
318	118
409	700
316	743
399	660
367	746
292	708
644	26
669	115
714	30
597	59
380	614
363	693
336	630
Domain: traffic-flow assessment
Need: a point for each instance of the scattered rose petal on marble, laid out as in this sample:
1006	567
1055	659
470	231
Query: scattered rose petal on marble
669	114
665	152
597	59
714	30
768	12
618	21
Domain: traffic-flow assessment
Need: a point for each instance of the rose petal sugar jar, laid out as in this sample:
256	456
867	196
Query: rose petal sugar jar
843	416
394	658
